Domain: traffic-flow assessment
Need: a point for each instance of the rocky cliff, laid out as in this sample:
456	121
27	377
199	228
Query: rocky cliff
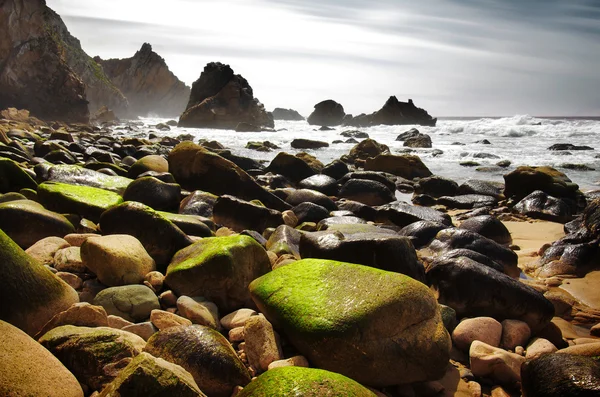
148	84
222	99
34	70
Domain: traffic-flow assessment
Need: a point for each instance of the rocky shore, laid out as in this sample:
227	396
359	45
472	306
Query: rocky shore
146	266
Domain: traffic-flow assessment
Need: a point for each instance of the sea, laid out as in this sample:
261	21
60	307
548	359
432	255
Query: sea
521	139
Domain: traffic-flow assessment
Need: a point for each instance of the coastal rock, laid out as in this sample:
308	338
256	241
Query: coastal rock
418	141
395	112
35	71
486	188
199	311
591	217
131	302
514	333
30	293
194	167
205	354
436	186
219	269
321	183
327	113
310	212
336	169
261	344
311	298
403	214
79	176
301	143
300	196
569	146
241	215
540	205
284	240
152	162
303	382
291	167
495	363
79	314
526	180
147	83
406	166
14	178
286	114
488	226
484	329
154	193
198	203
467	201
192	225
367	192
539	347
421	233
368	148
222	99
44	250
28	369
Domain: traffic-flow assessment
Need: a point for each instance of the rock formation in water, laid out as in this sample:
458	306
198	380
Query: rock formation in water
286	114
34	69
222	99
147	82
327	113
395	112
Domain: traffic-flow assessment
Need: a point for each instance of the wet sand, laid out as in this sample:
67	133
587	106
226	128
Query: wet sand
531	236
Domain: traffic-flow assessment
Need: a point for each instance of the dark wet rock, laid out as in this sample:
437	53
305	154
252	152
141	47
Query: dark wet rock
424	200
403	214
192	225
526	180
286	114
154	193
148	163
487	188
418	141
557	375
327	113
469	164
568	256
205	354
413	132
474	290
274	181
462	254
395	112
75	175
239	215
449	239
300	196
300	143
245	163
336	169
422	233
380	250
310	212
436	186
539	205
576	167
222	99
467	201
368	148
198	203
367	192
312	161
321	183
380	177
290	166
591	217
569	146
326	128
332	222
359	209
195	168
159	236
406	166
285	240
504	163
165	177
14	178
488	226
483	155
355	134
484	142
219	269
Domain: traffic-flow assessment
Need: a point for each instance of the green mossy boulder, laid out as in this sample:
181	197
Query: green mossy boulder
14	178
75	175
148	376
219	269
30	295
27	369
131	302
27	222
152	162
159	236
205	354
303	382
90	352
89	202
379	328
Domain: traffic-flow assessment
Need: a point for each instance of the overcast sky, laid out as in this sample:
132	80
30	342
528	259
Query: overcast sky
452	57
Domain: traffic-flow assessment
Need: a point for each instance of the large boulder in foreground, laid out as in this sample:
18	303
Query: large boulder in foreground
376	327
303	382
395	112
327	113
222	99
196	168
30	294
35	74
27	369
526	180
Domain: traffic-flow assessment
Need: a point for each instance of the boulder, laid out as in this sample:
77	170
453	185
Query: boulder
336	169
406	166
219	269
27	369
198	203
131	302
89	353
88	202
591	217
462	254
146	375
526	180
368	148
494	363
299	196
310	212
286	114
514	333
79	176
151	162
303	382
291	167
301	143
484	329
569	146
421	233
486	188
403	214
327	113
14	178
241	215
488	226
467	201
418	141
117	259
30	294
154	193
384	340
197	168
262	346
80	314
395	112
205	354
44	250
191	225
222	99
285	240
321	183
199	311
540	205
436	186
367	192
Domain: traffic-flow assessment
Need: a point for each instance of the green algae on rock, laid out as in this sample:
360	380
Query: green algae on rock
219	269
379	328
89	202
14	178
304	382
75	175
30	294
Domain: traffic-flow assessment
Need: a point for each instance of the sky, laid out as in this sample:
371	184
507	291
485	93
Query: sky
452	57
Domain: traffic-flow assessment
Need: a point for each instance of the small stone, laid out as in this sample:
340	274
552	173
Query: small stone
162	319
43	251
237	318
484	329
514	333
224	232
475	388
199	311
76	239
495	363
272	257
155	280
296	361
289	218
144	330
520	350
236	335
72	279
79	314
262	346
69	260
118	322
538	347
168	299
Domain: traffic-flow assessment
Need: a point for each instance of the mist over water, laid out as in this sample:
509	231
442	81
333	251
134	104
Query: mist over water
523	140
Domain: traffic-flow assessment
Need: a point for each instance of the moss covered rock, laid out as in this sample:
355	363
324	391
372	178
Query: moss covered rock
89	352
14	178
89	202
152	162
304	382
204	353
30	294
131	302
376	327
27	222
219	269
75	175
148	376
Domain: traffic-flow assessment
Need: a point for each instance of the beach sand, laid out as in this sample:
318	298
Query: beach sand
531	236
